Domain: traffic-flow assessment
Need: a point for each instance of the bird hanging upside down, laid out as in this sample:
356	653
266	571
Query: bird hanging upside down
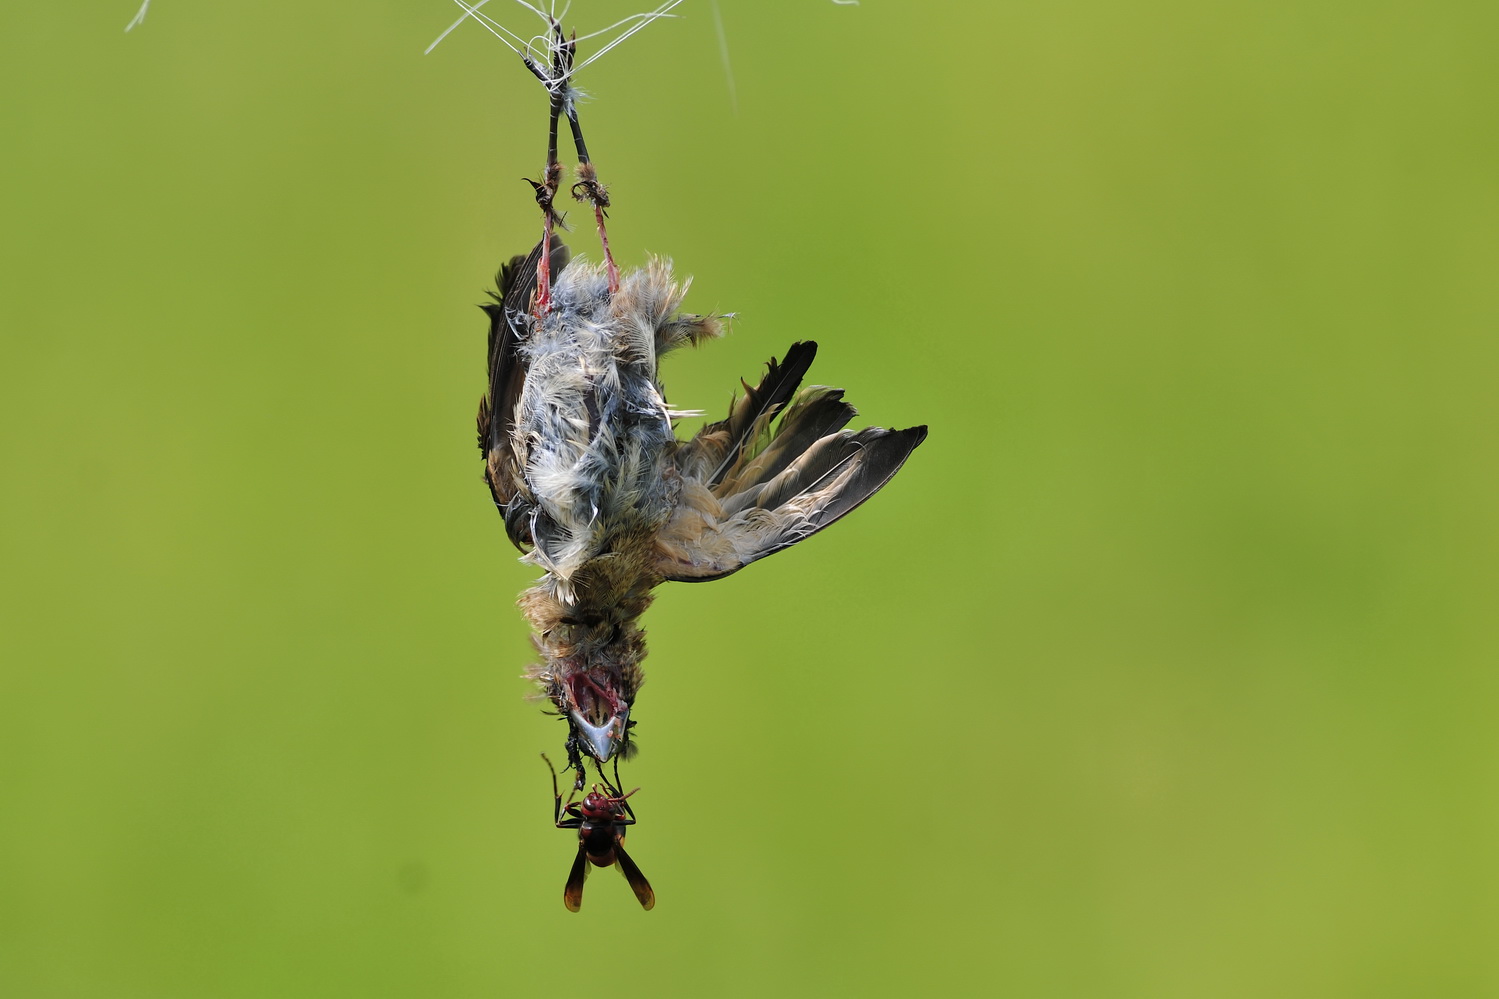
584	464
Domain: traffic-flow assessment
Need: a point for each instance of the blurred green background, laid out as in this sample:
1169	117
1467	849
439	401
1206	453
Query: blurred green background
1166	668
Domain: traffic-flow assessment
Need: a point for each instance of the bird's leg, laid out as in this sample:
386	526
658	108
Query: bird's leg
589	189
545	192
554	78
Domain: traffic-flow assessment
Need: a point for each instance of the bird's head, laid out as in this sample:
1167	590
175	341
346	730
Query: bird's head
598	715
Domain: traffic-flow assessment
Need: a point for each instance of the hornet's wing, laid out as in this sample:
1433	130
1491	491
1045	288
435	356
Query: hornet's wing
638	884
572	892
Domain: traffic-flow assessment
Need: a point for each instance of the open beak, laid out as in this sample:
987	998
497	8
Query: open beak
605	739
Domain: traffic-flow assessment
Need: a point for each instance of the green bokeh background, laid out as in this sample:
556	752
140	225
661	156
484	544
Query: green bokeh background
1166	669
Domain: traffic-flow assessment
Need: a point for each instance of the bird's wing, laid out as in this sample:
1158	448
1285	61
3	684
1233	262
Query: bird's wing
507	376
750	489
710	455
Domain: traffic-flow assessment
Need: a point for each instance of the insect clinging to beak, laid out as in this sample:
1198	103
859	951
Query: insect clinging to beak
600	819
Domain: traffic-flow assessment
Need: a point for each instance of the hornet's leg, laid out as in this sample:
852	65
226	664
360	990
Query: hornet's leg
614	787
558	809
619	799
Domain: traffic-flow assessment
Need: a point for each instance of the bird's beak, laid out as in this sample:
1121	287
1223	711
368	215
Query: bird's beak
603	740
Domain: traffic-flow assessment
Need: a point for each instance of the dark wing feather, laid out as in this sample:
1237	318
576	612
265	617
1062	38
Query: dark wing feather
815	413
870	458
718	447
773	493
507	376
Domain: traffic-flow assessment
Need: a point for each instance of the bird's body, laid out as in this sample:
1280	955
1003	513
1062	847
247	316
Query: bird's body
582	460
585	476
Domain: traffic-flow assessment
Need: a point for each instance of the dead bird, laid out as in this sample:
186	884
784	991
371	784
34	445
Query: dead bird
584	465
